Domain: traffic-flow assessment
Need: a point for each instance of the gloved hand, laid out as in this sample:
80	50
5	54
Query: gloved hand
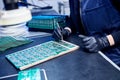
93	44
60	33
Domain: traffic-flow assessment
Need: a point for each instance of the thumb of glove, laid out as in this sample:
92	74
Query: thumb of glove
81	37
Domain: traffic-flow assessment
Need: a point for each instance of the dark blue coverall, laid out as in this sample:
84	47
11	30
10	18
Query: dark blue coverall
97	18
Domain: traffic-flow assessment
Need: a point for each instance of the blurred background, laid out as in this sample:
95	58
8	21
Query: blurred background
61	6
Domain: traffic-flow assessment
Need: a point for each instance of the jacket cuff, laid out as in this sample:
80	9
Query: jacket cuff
116	37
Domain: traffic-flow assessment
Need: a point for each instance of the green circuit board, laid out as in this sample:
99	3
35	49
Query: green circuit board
37	54
31	74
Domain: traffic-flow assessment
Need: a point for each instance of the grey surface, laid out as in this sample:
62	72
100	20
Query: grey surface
77	65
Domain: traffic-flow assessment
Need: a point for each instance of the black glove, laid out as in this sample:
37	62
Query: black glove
60	33
93	44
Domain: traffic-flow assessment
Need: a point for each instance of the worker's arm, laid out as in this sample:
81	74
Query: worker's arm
114	38
94	44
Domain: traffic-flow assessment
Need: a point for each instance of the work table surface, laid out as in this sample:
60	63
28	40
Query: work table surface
76	65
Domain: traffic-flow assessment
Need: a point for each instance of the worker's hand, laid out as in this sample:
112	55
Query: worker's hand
59	33
93	44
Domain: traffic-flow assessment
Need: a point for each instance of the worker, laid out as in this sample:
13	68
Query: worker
98	23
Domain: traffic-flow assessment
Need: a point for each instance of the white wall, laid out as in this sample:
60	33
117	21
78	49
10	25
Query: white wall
45	3
1	4
54	3
42	3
